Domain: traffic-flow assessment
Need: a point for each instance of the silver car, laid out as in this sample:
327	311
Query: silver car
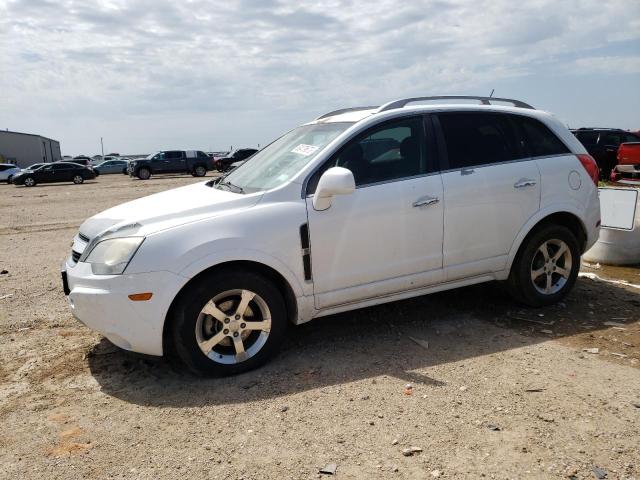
111	166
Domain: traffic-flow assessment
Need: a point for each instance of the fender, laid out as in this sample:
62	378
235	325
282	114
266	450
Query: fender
537	218
230	255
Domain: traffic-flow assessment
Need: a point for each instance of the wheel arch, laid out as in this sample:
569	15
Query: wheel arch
247	265
563	218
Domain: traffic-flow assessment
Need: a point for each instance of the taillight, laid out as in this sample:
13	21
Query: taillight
590	166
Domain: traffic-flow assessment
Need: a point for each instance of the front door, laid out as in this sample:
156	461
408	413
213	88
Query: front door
386	237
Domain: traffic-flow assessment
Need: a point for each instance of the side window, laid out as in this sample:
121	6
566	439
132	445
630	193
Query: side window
630	138
538	139
60	166
387	152
588	137
158	156
476	139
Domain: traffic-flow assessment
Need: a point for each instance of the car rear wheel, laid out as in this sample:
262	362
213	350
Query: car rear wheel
78	179
228	323
546	267
144	174
29	182
199	171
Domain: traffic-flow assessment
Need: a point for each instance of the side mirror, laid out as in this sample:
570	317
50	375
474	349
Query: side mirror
335	181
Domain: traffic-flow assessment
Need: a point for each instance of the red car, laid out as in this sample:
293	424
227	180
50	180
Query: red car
628	168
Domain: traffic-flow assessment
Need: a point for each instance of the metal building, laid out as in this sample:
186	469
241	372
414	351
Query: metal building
25	149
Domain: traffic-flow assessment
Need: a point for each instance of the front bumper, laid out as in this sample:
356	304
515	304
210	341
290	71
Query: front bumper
101	302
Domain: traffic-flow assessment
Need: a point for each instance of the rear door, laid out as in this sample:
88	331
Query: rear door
491	189
175	161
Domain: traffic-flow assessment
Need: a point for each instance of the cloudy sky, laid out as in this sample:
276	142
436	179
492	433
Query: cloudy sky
154	74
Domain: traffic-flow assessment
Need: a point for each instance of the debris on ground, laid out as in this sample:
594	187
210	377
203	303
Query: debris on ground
493	427
408	389
591	350
8	295
435	473
329	469
408	452
615	324
4	272
423	343
600	473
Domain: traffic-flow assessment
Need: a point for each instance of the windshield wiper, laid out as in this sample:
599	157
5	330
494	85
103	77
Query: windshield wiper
231	186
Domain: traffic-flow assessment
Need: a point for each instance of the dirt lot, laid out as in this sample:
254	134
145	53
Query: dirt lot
497	391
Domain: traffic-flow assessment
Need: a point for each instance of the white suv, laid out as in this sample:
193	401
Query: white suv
359	207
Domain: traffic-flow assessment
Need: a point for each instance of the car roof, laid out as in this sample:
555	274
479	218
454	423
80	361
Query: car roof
8	165
358	115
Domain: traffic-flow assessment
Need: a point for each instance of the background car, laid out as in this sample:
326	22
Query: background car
195	162
54	172
8	170
111	166
628	168
602	144
222	163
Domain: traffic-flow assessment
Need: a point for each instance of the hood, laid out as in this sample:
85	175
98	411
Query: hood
168	209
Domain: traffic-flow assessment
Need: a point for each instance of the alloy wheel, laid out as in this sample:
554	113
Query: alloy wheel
551	266
233	326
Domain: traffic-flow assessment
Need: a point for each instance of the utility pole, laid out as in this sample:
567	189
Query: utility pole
101	147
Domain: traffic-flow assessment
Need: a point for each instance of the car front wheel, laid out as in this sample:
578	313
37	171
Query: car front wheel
29	182
78	179
546	267
228	323
199	171
144	174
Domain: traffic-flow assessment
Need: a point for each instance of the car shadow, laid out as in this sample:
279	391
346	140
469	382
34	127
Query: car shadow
398	339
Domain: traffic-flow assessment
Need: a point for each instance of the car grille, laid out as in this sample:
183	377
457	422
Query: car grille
75	256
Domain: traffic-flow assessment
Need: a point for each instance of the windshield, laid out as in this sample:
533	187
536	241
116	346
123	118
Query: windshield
151	155
281	160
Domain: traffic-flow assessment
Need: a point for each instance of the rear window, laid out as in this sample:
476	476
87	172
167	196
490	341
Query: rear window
587	138
476	139
539	140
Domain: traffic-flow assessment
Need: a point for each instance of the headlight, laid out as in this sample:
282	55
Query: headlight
111	256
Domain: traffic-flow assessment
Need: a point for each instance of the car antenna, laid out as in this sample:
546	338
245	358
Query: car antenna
491	94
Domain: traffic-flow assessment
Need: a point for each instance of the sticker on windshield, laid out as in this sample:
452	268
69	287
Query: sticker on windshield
305	150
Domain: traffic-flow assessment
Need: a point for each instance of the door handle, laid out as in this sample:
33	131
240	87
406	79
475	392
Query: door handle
421	202
524	182
467	171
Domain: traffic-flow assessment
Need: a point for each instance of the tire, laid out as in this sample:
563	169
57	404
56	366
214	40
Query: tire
9	179
537	279
30	182
191	328
78	179
220	166
144	173
199	171
97	172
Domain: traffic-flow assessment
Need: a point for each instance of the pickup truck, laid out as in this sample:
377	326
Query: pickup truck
628	168
195	162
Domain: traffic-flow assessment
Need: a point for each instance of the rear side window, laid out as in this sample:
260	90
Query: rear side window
476	139
538	139
4	167
587	138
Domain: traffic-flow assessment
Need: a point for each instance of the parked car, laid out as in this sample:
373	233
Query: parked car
222	163
195	162
8	171
235	165
360	207
82	160
54	172
628	168
602	144
111	166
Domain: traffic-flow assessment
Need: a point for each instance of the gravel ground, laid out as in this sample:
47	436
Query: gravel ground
496	391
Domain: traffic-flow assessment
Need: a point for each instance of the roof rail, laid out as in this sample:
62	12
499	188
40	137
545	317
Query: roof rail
483	100
345	110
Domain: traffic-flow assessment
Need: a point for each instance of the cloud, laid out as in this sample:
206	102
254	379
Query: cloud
116	61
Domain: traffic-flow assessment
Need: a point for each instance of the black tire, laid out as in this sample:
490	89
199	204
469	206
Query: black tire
9	179
144	173
97	172
199	171
530	260
78	179
185	322
30	182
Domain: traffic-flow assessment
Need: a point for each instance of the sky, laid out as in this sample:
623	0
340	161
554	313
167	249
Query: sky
149	75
